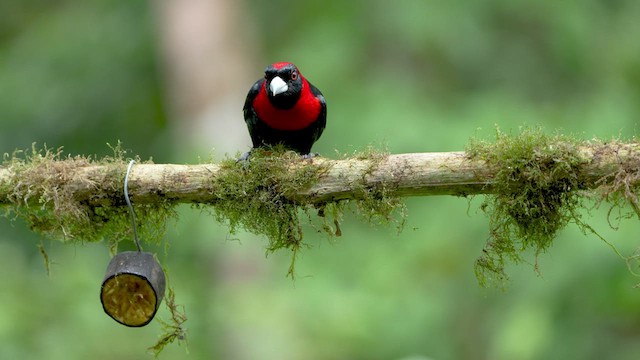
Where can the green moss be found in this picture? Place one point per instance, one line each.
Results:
(258, 197)
(45, 176)
(535, 193)
(254, 197)
(45, 258)
(376, 202)
(173, 329)
(620, 191)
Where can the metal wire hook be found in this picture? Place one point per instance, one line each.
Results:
(126, 198)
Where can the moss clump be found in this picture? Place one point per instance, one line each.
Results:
(173, 329)
(376, 202)
(42, 194)
(535, 193)
(258, 197)
(620, 190)
(255, 196)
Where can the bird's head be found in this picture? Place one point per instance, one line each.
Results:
(283, 84)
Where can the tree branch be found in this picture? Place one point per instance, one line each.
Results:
(534, 180)
(418, 174)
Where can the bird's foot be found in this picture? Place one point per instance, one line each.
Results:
(309, 156)
(244, 159)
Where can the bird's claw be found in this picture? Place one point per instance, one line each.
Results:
(309, 156)
(244, 159)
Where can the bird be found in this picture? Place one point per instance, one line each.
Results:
(284, 108)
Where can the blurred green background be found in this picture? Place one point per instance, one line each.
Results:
(416, 75)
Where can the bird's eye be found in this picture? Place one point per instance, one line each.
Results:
(294, 75)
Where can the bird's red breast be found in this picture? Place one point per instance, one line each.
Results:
(300, 116)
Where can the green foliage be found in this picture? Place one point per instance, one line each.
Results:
(79, 74)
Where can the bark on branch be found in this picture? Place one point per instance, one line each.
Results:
(417, 174)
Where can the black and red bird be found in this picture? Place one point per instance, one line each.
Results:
(284, 108)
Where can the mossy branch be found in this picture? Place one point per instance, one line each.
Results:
(417, 174)
(535, 183)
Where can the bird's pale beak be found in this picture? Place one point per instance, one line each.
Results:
(278, 86)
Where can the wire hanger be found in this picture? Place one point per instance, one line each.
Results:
(133, 215)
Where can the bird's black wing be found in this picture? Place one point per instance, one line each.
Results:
(321, 122)
(250, 115)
